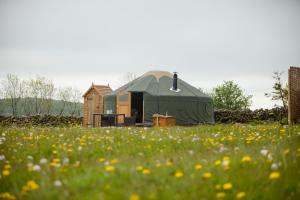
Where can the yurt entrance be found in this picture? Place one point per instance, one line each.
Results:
(137, 107)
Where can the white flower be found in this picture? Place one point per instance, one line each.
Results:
(29, 165)
(225, 163)
(57, 183)
(2, 157)
(264, 152)
(29, 157)
(236, 148)
(65, 161)
(274, 166)
(222, 149)
(43, 161)
(79, 148)
(191, 152)
(36, 168)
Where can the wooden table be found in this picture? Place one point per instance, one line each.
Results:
(163, 120)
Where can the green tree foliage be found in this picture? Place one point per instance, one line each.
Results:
(230, 96)
(280, 90)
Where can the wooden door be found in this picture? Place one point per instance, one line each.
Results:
(90, 110)
(124, 105)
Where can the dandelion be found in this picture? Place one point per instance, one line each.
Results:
(7, 166)
(227, 186)
(274, 175)
(198, 167)
(109, 168)
(240, 195)
(246, 159)
(101, 160)
(146, 171)
(218, 186)
(226, 158)
(178, 174)
(206, 175)
(5, 172)
(114, 161)
(134, 197)
(220, 195)
(30, 186)
(139, 168)
(7, 196)
(217, 162)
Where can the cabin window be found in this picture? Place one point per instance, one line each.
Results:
(124, 97)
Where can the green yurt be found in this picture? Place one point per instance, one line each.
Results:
(163, 93)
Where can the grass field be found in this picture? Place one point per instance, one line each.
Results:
(203, 162)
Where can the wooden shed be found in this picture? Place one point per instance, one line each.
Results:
(93, 104)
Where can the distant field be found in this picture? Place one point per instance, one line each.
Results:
(203, 162)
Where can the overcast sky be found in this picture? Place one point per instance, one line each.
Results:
(75, 43)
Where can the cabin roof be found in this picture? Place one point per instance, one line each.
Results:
(100, 89)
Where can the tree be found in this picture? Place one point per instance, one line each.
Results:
(27, 101)
(128, 77)
(75, 100)
(47, 93)
(280, 91)
(64, 94)
(12, 90)
(230, 96)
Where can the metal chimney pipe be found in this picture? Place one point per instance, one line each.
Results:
(174, 81)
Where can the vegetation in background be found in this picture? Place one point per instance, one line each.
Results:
(202, 162)
(38, 96)
(230, 96)
(280, 90)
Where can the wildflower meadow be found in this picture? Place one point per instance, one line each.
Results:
(240, 161)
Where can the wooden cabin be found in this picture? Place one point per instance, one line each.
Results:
(93, 104)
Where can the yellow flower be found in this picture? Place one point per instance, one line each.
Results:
(226, 158)
(146, 171)
(220, 195)
(218, 186)
(206, 175)
(240, 195)
(198, 167)
(114, 161)
(169, 163)
(109, 168)
(101, 159)
(7, 196)
(7, 166)
(178, 174)
(227, 186)
(246, 159)
(139, 168)
(274, 175)
(30, 186)
(217, 162)
(6, 172)
(134, 197)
